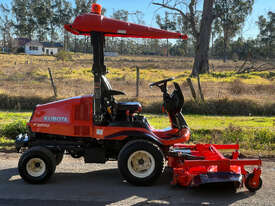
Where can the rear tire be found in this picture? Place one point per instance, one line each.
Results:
(37, 165)
(140, 162)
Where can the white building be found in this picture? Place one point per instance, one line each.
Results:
(43, 48)
(51, 48)
(34, 48)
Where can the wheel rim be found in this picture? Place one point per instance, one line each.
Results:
(141, 164)
(36, 167)
(253, 184)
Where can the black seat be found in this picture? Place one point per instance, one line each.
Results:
(121, 107)
(106, 88)
(133, 107)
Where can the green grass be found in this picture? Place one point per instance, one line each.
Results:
(162, 121)
(265, 77)
(10, 117)
(253, 133)
(216, 122)
(6, 144)
(6, 141)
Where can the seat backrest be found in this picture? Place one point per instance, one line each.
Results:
(105, 85)
(178, 97)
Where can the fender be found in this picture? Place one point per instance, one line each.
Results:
(131, 134)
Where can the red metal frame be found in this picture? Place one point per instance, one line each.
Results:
(213, 162)
(86, 23)
(74, 118)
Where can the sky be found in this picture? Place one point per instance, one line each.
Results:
(250, 30)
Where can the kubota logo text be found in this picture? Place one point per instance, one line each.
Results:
(55, 119)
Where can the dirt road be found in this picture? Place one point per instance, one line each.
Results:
(76, 183)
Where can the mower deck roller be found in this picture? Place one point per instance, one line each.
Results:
(194, 165)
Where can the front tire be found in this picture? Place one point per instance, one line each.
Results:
(37, 165)
(140, 162)
(58, 157)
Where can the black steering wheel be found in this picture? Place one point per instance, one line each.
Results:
(161, 82)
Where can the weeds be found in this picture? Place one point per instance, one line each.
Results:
(13, 129)
(21, 103)
(238, 87)
(64, 56)
(6, 142)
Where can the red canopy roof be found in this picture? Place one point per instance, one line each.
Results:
(86, 23)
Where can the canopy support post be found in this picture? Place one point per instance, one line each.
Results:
(99, 69)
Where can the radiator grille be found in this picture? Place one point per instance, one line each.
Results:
(82, 112)
(82, 130)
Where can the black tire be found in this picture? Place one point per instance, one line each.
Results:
(249, 186)
(76, 155)
(37, 157)
(58, 157)
(154, 154)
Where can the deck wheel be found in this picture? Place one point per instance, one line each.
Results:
(251, 185)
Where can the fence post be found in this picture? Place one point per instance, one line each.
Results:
(193, 92)
(199, 86)
(137, 81)
(52, 83)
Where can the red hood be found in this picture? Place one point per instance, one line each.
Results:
(86, 23)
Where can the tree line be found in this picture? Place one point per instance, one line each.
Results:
(39, 20)
(212, 27)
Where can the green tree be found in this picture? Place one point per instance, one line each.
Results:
(81, 7)
(123, 16)
(120, 14)
(5, 26)
(24, 22)
(167, 24)
(231, 17)
(200, 24)
(267, 33)
(64, 10)
(41, 14)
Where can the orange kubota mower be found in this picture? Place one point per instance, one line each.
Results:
(99, 128)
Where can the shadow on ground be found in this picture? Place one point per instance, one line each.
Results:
(105, 186)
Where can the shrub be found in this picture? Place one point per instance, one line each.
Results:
(4, 141)
(20, 103)
(263, 139)
(13, 129)
(237, 87)
(235, 57)
(202, 135)
(250, 139)
(260, 88)
(63, 56)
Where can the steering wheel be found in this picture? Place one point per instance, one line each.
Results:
(161, 82)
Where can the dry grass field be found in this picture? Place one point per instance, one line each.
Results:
(27, 76)
(25, 82)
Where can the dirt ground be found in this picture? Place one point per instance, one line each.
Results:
(76, 183)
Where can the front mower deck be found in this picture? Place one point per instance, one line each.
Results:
(194, 165)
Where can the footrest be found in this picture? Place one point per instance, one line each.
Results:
(185, 154)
